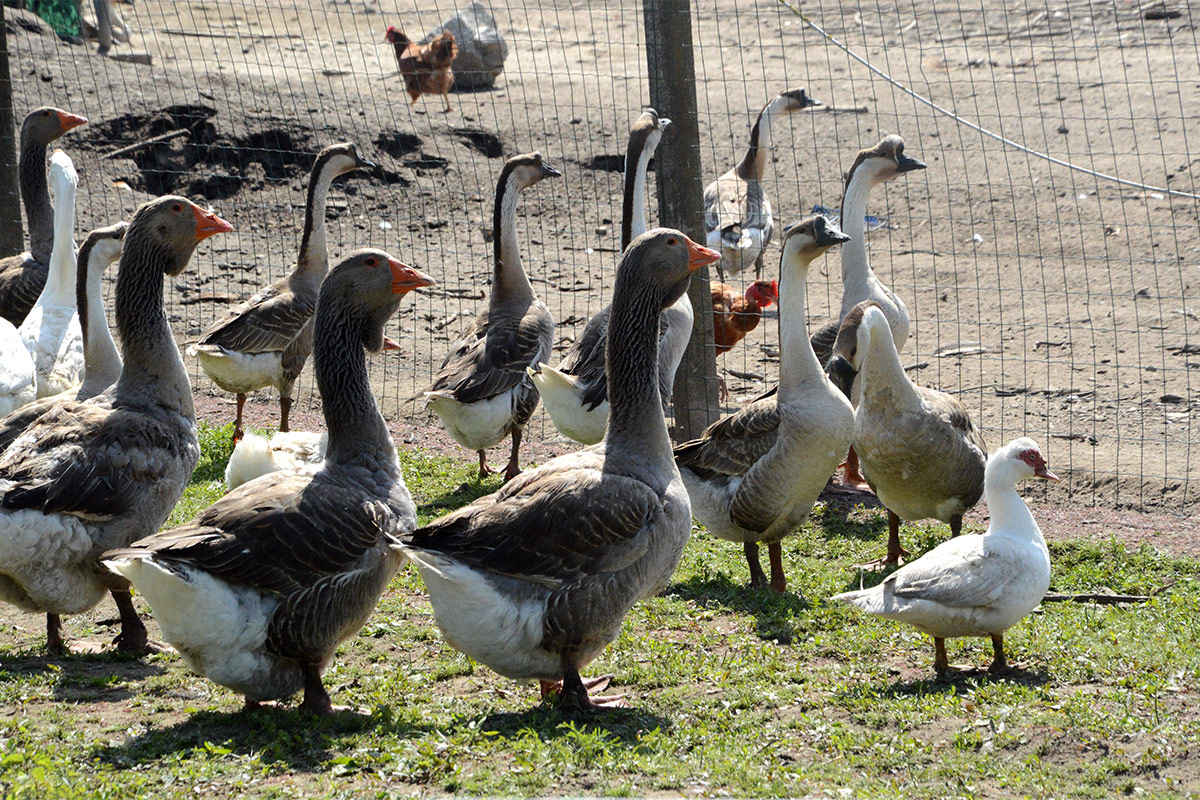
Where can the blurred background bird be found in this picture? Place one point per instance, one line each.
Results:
(426, 67)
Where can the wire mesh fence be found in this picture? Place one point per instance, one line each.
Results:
(1052, 301)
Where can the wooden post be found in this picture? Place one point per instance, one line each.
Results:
(671, 68)
(12, 236)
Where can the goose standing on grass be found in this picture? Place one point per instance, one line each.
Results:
(258, 591)
(978, 584)
(872, 167)
(266, 340)
(482, 392)
(92, 475)
(22, 276)
(535, 579)
(101, 360)
(575, 392)
(755, 475)
(51, 329)
(737, 214)
(918, 449)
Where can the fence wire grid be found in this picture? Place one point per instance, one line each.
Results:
(1052, 302)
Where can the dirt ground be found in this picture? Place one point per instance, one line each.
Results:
(1053, 303)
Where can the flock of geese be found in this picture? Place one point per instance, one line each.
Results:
(535, 579)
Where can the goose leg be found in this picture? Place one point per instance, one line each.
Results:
(999, 662)
(237, 423)
(54, 638)
(757, 579)
(941, 664)
(895, 554)
(955, 525)
(133, 637)
(574, 693)
(853, 475)
(484, 469)
(513, 469)
(550, 688)
(316, 699)
(775, 554)
(285, 408)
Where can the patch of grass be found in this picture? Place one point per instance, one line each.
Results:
(736, 692)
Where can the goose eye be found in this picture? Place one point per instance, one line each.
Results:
(45, 113)
(371, 262)
(671, 241)
(177, 207)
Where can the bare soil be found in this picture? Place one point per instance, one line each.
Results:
(1054, 304)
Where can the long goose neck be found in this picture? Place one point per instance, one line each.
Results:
(314, 255)
(798, 363)
(754, 164)
(633, 211)
(1007, 510)
(153, 370)
(60, 281)
(883, 369)
(509, 281)
(856, 269)
(35, 194)
(635, 419)
(356, 428)
(101, 361)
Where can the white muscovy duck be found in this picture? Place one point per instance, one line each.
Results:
(977, 584)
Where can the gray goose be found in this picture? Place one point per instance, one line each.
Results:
(482, 392)
(737, 214)
(754, 476)
(575, 392)
(101, 359)
(265, 340)
(535, 579)
(23, 276)
(258, 591)
(918, 449)
(91, 475)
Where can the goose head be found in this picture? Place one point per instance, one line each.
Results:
(664, 260)
(809, 239)
(174, 225)
(852, 343)
(884, 161)
(373, 282)
(103, 246)
(1018, 460)
(647, 131)
(526, 170)
(342, 158)
(793, 100)
(45, 124)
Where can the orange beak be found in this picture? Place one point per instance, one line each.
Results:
(700, 256)
(390, 344)
(406, 278)
(69, 121)
(208, 224)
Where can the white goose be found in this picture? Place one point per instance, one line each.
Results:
(755, 475)
(575, 392)
(978, 584)
(51, 330)
(737, 214)
(919, 451)
(18, 379)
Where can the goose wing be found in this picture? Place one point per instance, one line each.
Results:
(586, 360)
(494, 360)
(87, 459)
(268, 322)
(733, 444)
(551, 525)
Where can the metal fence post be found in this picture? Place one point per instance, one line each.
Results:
(12, 236)
(671, 68)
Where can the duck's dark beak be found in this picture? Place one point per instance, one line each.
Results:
(842, 374)
(907, 164)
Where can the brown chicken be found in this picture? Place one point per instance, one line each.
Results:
(425, 67)
(734, 315)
